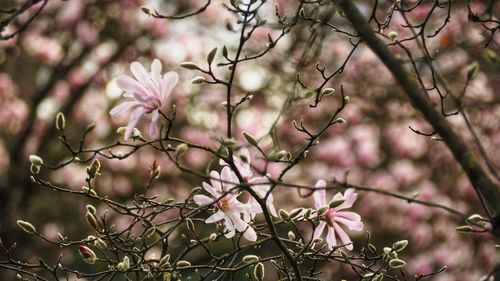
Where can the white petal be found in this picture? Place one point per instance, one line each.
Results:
(216, 217)
(124, 106)
(319, 230)
(130, 85)
(330, 238)
(250, 234)
(320, 194)
(169, 81)
(202, 199)
(134, 118)
(143, 77)
(343, 236)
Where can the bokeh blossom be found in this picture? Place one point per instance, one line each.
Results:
(227, 206)
(147, 93)
(334, 217)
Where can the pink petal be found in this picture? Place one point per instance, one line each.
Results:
(153, 126)
(352, 225)
(130, 85)
(169, 81)
(330, 238)
(349, 215)
(203, 200)
(143, 77)
(210, 189)
(320, 195)
(250, 234)
(319, 230)
(134, 118)
(343, 236)
(216, 217)
(124, 106)
(215, 180)
(156, 69)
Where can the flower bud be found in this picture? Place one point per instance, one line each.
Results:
(190, 65)
(211, 55)
(60, 237)
(475, 218)
(393, 35)
(183, 264)
(101, 244)
(91, 209)
(60, 121)
(347, 99)
(296, 213)
(198, 80)
(94, 168)
(400, 245)
(190, 224)
(36, 160)
(463, 229)
(323, 209)
(250, 259)
(92, 220)
(473, 70)
(164, 261)
(250, 139)
(87, 254)
(327, 91)
(181, 149)
(86, 189)
(212, 237)
(258, 271)
(336, 202)
(291, 235)
(396, 263)
(150, 232)
(284, 214)
(26, 226)
(148, 11)
(125, 263)
(34, 169)
(89, 128)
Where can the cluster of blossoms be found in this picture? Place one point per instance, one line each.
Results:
(148, 91)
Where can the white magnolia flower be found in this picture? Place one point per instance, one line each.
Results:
(226, 203)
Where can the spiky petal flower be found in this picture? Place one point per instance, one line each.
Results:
(334, 218)
(147, 92)
(226, 204)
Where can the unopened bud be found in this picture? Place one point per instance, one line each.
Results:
(258, 271)
(198, 80)
(190, 65)
(181, 149)
(92, 220)
(284, 214)
(126, 263)
(91, 209)
(35, 169)
(164, 261)
(291, 235)
(212, 237)
(94, 168)
(347, 99)
(150, 232)
(148, 11)
(323, 209)
(393, 35)
(250, 259)
(211, 55)
(473, 70)
(89, 128)
(463, 229)
(190, 224)
(183, 264)
(101, 244)
(474, 219)
(250, 139)
(87, 254)
(36, 160)
(327, 91)
(336, 202)
(60, 121)
(26, 226)
(396, 263)
(400, 245)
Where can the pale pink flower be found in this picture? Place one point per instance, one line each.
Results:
(227, 206)
(335, 217)
(259, 184)
(147, 91)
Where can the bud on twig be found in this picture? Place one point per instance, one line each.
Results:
(396, 263)
(183, 264)
(473, 70)
(250, 259)
(211, 55)
(26, 226)
(87, 254)
(400, 245)
(327, 91)
(250, 139)
(258, 272)
(36, 160)
(60, 121)
(198, 80)
(463, 229)
(94, 168)
(190, 65)
(181, 149)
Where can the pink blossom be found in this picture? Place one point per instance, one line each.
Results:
(259, 184)
(147, 91)
(226, 203)
(334, 217)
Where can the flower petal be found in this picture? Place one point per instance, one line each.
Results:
(216, 217)
(144, 78)
(156, 70)
(153, 126)
(128, 84)
(169, 81)
(330, 238)
(250, 234)
(319, 230)
(134, 118)
(320, 195)
(343, 236)
(352, 225)
(124, 106)
(202, 200)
